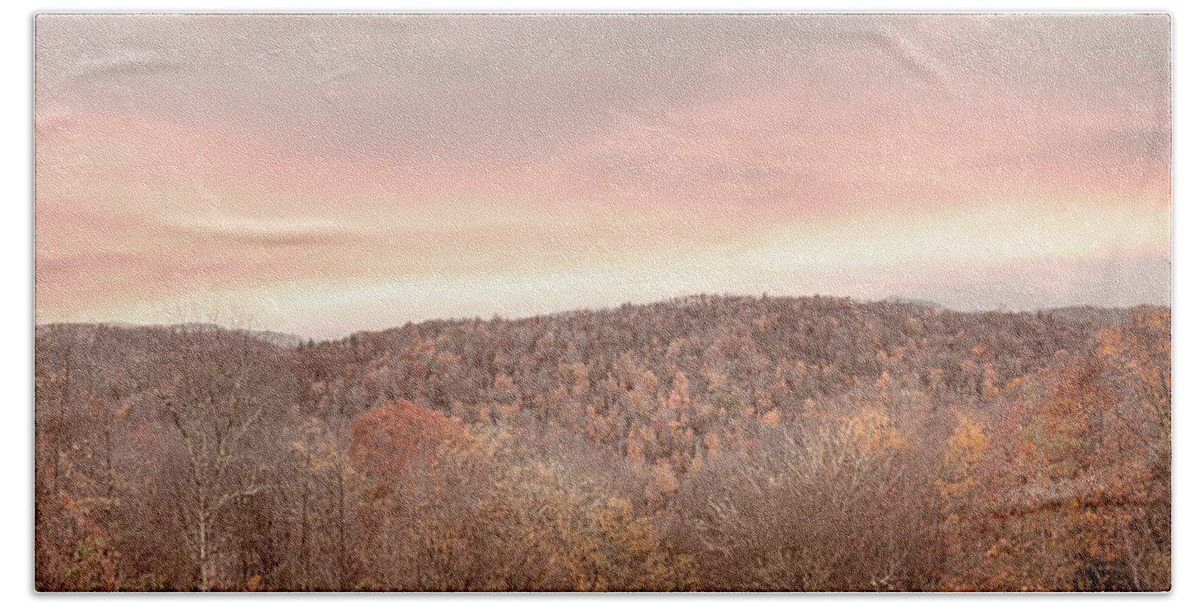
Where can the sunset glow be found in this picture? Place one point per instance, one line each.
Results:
(325, 175)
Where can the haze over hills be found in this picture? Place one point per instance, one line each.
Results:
(1081, 312)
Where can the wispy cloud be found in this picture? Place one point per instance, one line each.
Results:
(465, 165)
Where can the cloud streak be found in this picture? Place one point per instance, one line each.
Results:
(468, 165)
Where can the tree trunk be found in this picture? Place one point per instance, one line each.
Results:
(208, 566)
(341, 552)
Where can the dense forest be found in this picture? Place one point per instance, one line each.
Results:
(704, 443)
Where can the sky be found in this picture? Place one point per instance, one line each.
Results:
(321, 175)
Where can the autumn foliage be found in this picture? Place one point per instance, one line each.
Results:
(707, 443)
(388, 441)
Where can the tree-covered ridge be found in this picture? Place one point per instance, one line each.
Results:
(718, 443)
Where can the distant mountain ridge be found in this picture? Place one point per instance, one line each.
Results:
(1077, 313)
(280, 339)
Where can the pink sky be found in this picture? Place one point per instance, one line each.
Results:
(321, 175)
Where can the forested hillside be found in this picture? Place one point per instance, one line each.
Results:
(706, 443)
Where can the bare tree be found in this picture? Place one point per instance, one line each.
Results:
(218, 404)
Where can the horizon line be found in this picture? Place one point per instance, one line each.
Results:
(901, 300)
